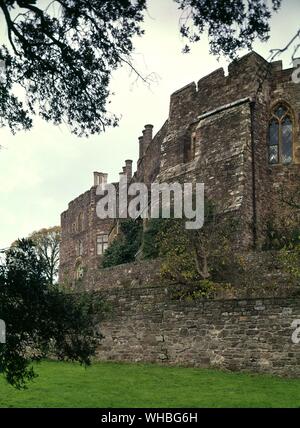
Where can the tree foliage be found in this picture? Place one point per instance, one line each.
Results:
(63, 55)
(288, 227)
(151, 242)
(289, 257)
(282, 228)
(231, 25)
(40, 319)
(281, 232)
(194, 256)
(290, 195)
(125, 247)
(47, 247)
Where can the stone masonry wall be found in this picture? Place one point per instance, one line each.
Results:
(135, 274)
(226, 158)
(146, 325)
(80, 223)
(227, 119)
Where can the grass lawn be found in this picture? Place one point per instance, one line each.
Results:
(141, 385)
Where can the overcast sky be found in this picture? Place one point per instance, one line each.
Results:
(43, 169)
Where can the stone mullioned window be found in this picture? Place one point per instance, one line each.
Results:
(102, 243)
(281, 135)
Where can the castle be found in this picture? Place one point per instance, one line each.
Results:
(237, 133)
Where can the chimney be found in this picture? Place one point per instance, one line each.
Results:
(141, 147)
(100, 178)
(147, 136)
(128, 169)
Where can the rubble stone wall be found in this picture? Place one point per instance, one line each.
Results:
(144, 324)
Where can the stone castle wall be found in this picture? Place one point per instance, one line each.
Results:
(129, 275)
(228, 117)
(231, 144)
(277, 87)
(145, 324)
(81, 224)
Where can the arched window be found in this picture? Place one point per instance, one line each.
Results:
(281, 135)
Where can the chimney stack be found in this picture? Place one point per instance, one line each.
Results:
(100, 178)
(128, 169)
(145, 140)
(147, 136)
(141, 147)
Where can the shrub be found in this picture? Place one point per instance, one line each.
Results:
(124, 248)
(151, 238)
(194, 256)
(289, 257)
(41, 319)
(280, 235)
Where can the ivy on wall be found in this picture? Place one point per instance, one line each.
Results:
(124, 248)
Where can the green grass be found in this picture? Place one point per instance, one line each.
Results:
(141, 385)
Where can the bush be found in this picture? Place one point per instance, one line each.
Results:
(40, 318)
(289, 257)
(281, 235)
(194, 256)
(151, 242)
(124, 248)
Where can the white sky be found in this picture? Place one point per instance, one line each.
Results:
(43, 169)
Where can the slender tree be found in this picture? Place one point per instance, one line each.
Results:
(47, 243)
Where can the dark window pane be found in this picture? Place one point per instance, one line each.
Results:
(273, 132)
(273, 154)
(280, 111)
(287, 140)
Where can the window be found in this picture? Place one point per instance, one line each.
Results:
(190, 148)
(102, 244)
(281, 135)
